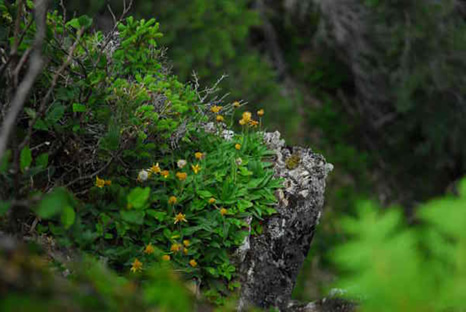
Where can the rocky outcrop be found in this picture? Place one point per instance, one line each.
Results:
(271, 261)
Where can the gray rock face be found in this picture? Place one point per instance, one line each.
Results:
(271, 261)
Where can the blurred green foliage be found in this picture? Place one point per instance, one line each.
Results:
(388, 266)
(31, 282)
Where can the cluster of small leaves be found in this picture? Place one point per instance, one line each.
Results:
(391, 267)
(119, 161)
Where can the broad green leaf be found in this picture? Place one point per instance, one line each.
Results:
(74, 23)
(52, 204)
(133, 216)
(42, 160)
(159, 215)
(85, 21)
(68, 216)
(4, 207)
(79, 108)
(25, 158)
(138, 197)
(55, 114)
(243, 205)
(41, 125)
(204, 194)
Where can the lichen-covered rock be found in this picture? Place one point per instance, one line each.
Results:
(271, 261)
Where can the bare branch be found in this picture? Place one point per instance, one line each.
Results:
(45, 99)
(35, 68)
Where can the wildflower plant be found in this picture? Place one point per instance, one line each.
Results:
(143, 182)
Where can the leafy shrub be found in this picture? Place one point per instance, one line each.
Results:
(391, 267)
(120, 159)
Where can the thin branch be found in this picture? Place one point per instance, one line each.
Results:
(35, 68)
(45, 99)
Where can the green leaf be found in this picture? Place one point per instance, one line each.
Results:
(4, 161)
(138, 197)
(68, 216)
(212, 271)
(244, 204)
(55, 114)
(159, 215)
(78, 108)
(4, 207)
(30, 112)
(25, 158)
(85, 21)
(41, 125)
(52, 204)
(204, 194)
(42, 160)
(133, 216)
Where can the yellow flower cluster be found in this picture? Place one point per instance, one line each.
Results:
(215, 109)
(196, 168)
(100, 183)
(136, 266)
(181, 176)
(149, 249)
(247, 118)
(172, 200)
(175, 247)
(180, 218)
(155, 169)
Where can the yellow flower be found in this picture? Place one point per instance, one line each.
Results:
(253, 123)
(236, 104)
(260, 112)
(99, 182)
(220, 118)
(238, 146)
(180, 218)
(108, 182)
(186, 243)
(149, 249)
(215, 109)
(172, 200)
(181, 176)
(199, 155)
(223, 211)
(193, 263)
(166, 258)
(196, 168)
(155, 168)
(211, 200)
(242, 122)
(136, 266)
(165, 173)
(175, 248)
(185, 251)
(247, 116)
